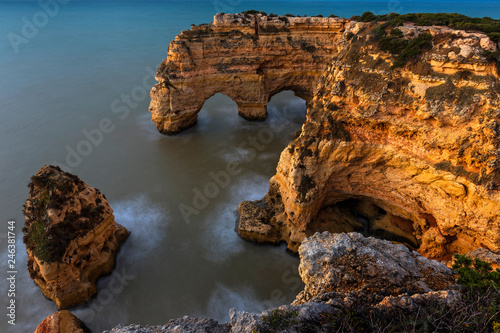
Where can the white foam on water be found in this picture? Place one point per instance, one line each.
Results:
(145, 221)
(147, 127)
(224, 298)
(221, 240)
(237, 155)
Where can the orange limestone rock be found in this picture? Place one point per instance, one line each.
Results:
(246, 57)
(407, 149)
(62, 322)
(70, 234)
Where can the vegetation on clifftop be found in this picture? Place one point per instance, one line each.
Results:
(404, 49)
(456, 21)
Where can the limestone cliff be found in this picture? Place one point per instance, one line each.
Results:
(405, 151)
(246, 57)
(70, 234)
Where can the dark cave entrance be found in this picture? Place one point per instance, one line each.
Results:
(361, 214)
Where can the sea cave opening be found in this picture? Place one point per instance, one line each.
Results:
(364, 215)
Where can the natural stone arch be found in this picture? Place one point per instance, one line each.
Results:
(287, 107)
(228, 105)
(233, 57)
(297, 91)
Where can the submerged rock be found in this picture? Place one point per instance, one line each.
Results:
(62, 322)
(70, 234)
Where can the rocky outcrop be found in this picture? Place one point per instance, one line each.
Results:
(349, 262)
(246, 57)
(181, 325)
(343, 273)
(62, 322)
(70, 234)
(485, 255)
(404, 151)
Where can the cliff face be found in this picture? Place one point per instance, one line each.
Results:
(70, 234)
(409, 152)
(246, 57)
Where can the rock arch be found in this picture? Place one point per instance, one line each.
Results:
(250, 65)
(391, 146)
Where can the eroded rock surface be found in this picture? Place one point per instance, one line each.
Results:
(62, 322)
(348, 262)
(70, 234)
(409, 154)
(249, 58)
(181, 325)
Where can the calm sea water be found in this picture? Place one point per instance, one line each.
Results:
(63, 74)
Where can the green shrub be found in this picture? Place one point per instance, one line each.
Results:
(414, 48)
(368, 17)
(39, 242)
(250, 12)
(379, 32)
(491, 55)
(456, 21)
(278, 320)
(476, 274)
(393, 45)
(494, 36)
(397, 33)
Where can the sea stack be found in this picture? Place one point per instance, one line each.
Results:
(70, 235)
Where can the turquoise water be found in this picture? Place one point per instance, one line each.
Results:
(68, 74)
